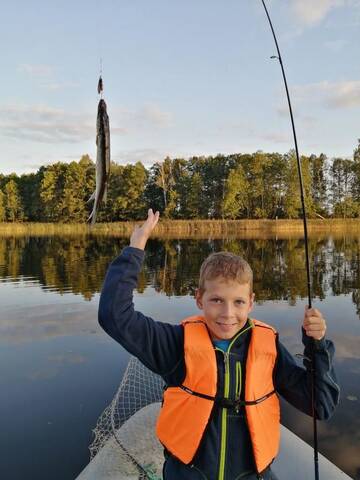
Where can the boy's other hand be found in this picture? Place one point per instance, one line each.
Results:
(141, 234)
(314, 324)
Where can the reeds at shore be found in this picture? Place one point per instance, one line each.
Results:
(190, 228)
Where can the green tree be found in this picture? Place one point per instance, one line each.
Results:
(236, 193)
(292, 198)
(355, 190)
(29, 188)
(2, 206)
(342, 177)
(51, 192)
(192, 205)
(164, 179)
(13, 207)
(126, 199)
(88, 167)
(347, 208)
(198, 202)
(72, 203)
(318, 183)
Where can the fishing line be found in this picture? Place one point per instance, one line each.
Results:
(100, 87)
(312, 363)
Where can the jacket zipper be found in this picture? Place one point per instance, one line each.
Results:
(224, 418)
(238, 384)
(224, 410)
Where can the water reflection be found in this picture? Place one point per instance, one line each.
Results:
(69, 271)
(77, 264)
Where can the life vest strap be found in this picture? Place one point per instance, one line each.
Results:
(227, 402)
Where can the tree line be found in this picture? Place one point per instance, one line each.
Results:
(236, 186)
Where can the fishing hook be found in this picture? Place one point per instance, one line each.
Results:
(312, 363)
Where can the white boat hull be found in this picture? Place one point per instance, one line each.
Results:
(295, 460)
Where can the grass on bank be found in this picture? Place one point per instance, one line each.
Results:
(188, 228)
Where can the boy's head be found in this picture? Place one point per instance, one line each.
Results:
(225, 293)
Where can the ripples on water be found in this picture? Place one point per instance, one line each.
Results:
(59, 370)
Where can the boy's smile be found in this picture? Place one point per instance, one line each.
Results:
(226, 305)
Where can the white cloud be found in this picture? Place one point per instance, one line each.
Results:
(312, 12)
(149, 115)
(36, 70)
(46, 321)
(45, 72)
(344, 94)
(60, 86)
(44, 124)
(275, 137)
(329, 95)
(335, 45)
(249, 130)
(152, 113)
(147, 156)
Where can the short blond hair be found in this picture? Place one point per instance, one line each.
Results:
(225, 265)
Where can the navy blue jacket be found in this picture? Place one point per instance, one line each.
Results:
(160, 347)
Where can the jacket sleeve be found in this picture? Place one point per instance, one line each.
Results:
(158, 345)
(294, 382)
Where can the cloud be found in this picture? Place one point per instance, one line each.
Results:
(147, 156)
(344, 94)
(310, 12)
(155, 115)
(329, 95)
(59, 86)
(47, 73)
(347, 347)
(46, 321)
(335, 45)
(53, 367)
(249, 130)
(36, 70)
(275, 137)
(44, 124)
(149, 115)
(37, 166)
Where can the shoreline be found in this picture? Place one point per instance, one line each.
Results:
(191, 228)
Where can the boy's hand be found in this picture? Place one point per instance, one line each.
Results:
(314, 323)
(141, 234)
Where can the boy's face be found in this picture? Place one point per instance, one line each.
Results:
(226, 305)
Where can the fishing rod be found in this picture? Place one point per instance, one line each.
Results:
(312, 362)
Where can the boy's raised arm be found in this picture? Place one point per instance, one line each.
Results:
(159, 346)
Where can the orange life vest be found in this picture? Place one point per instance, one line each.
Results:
(185, 415)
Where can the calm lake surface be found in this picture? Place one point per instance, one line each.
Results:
(59, 370)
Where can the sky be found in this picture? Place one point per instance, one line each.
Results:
(181, 78)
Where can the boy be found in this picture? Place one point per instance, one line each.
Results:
(220, 416)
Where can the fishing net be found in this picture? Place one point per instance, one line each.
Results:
(125, 432)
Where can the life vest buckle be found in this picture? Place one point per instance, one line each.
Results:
(228, 403)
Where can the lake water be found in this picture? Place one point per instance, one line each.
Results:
(59, 370)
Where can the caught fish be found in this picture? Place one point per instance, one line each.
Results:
(102, 160)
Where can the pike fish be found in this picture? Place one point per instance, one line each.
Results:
(102, 160)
